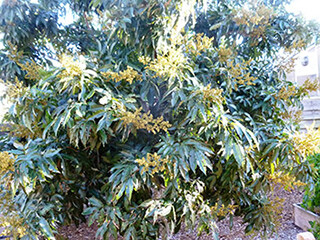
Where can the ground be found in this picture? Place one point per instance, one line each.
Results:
(287, 229)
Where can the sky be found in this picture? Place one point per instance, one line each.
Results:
(310, 9)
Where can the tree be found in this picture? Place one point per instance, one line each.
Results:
(156, 114)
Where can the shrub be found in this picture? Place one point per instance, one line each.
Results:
(311, 198)
(148, 124)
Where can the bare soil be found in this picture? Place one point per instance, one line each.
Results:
(287, 230)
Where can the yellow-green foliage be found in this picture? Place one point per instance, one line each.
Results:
(284, 180)
(307, 143)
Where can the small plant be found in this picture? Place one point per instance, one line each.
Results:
(311, 199)
(315, 229)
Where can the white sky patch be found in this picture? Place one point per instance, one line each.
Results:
(68, 18)
(310, 9)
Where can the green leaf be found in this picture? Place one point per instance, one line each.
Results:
(57, 125)
(46, 228)
(238, 154)
(95, 202)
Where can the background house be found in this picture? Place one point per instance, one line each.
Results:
(307, 66)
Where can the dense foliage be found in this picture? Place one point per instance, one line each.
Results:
(147, 115)
(311, 198)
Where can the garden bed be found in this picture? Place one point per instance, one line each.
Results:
(302, 217)
(287, 228)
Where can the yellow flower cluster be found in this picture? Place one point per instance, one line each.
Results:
(128, 75)
(287, 65)
(239, 72)
(224, 54)
(12, 224)
(284, 180)
(275, 207)
(14, 54)
(212, 94)
(257, 33)
(203, 42)
(6, 163)
(296, 46)
(145, 121)
(307, 143)
(198, 44)
(21, 131)
(15, 90)
(222, 210)
(257, 18)
(286, 93)
(310, 86)
(295, 115)
(72, 68)
(287, 61)
(31, 67)
(144, 60)
(167, 64)
(153, 163)
(10, 221)
(255, 15)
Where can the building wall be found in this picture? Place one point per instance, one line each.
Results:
(308, 67)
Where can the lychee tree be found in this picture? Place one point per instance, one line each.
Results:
(144, 116)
